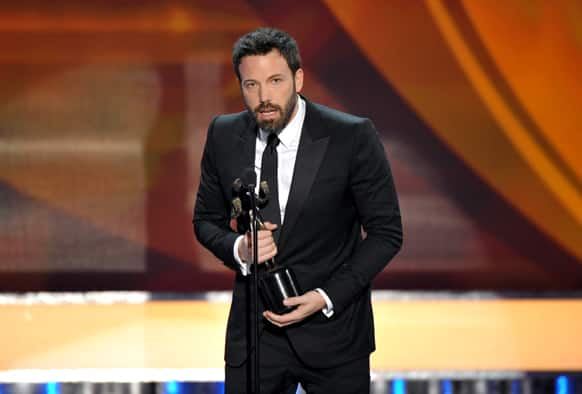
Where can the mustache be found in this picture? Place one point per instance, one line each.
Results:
(267, 107)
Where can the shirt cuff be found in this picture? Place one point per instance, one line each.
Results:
(328, 309)
(244, 268)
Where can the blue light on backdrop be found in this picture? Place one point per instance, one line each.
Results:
(516, 387)
(446, 387)
(398, 386)
(563, 385)
(172, 387)
(175, 387)
(52, 388)
(219, 388)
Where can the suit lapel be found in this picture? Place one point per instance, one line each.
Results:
(247, 145)
(312, 148)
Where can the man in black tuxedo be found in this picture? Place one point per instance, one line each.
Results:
(334, 220)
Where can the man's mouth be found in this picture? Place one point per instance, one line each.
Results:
(268, 112)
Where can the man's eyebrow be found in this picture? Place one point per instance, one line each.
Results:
(277, 75)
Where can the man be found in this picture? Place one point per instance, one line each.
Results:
(332, 181)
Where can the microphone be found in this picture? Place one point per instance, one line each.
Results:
(242, 217)
(242, 187)
(249, 177)
(237, 209)
(241, 202)
(264, 194)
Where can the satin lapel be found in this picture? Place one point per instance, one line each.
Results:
(312, 148)
(244, 156)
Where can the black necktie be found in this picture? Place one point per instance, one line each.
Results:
(271, 212)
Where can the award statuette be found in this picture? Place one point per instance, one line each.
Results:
(276, 285)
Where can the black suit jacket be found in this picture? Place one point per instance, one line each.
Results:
(342, 183)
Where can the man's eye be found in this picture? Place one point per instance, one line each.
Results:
(276, 80)
(250, 85)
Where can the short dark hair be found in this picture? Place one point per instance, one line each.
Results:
(264, 40)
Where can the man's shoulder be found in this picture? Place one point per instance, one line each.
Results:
(335, 116)
(342, 125)
(226, 127)
(238, 118)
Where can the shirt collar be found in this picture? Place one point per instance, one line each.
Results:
(289, 136)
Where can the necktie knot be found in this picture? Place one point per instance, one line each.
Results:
(272, 141)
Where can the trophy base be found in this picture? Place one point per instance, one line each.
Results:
(277, 285)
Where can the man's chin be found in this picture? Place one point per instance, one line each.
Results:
(268, 127)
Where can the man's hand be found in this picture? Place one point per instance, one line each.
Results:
(266, 247)
(307, 304)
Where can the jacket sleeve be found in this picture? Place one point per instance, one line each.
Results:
(374, 194)
(212, 210)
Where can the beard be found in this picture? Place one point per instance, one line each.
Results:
(278, 124)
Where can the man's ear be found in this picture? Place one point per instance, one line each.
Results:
(298, 80)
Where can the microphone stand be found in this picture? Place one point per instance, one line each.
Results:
(255, 275)
(277, 283)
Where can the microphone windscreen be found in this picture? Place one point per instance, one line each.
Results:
(264, 189)
(236, 207)
(249, 177)
(236, 186)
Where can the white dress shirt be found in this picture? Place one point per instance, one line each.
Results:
(286, 155)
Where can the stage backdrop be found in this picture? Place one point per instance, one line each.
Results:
(104, 107)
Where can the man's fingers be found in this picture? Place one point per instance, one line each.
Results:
(264, 238)
(275, 323)
(267, 248)
(264, 256)
(269, 226)
(292, 301)
(287, 318)
(307, 304)
(264, 234)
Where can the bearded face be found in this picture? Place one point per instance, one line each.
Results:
(271, 117)
(269, 89)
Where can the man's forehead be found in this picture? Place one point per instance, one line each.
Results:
(252, 66)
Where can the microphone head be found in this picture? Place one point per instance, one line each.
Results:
(236, 187)
(264, 193)
(249, 177)
(264, 189)
(236, 207)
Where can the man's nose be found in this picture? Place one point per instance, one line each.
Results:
(264, 94)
